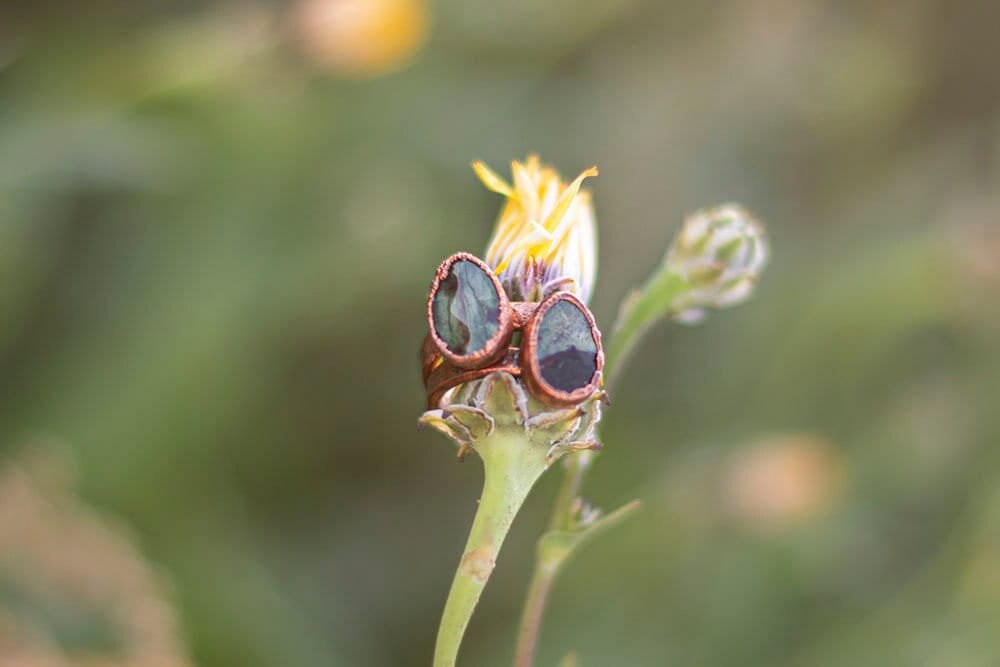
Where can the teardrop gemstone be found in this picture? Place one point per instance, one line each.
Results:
(567, 350)
(466, 308)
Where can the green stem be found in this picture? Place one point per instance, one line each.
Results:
(575, 468)
(555, 548)
(656, 300)
(512, 465)
(534, 608)
(548, 562)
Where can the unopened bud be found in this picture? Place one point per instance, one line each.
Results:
(720, 252)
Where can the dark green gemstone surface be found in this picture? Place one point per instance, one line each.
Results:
(567, 351)
(466, 308)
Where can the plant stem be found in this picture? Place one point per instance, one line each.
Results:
(656, 300)
(547, 563)
(534, 608)
(554, 549)
(575, 468)
(512, 464)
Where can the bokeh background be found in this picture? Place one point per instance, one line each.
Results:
(218, 222)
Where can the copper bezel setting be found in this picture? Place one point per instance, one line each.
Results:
(531, 371)
(495, 347)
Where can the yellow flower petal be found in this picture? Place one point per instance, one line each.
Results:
(558, 213)
(491, 180)
(545, 237)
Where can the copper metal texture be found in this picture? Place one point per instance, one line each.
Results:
(532, 373)
(443, 370)
(495, 346)
(447, 376)
(430, 357)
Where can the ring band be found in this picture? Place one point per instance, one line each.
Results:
(444, 376)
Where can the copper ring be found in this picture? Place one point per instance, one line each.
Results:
(532, 371)
(446, 376)
(430, 357)
(495, 346)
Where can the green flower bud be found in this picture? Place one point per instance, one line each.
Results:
(719, 252)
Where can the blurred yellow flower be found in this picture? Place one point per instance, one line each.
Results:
(783, 480)
(361, 37)
(546, 235)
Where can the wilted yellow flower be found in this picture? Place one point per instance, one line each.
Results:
(546, 236)
(361, 37)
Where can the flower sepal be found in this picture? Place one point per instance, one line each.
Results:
(499, 401)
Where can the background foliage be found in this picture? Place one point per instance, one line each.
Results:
(217, 229)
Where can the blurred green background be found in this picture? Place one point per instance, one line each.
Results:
(218, 222)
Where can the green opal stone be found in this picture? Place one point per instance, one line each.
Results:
(567, 351)
(466, 308)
